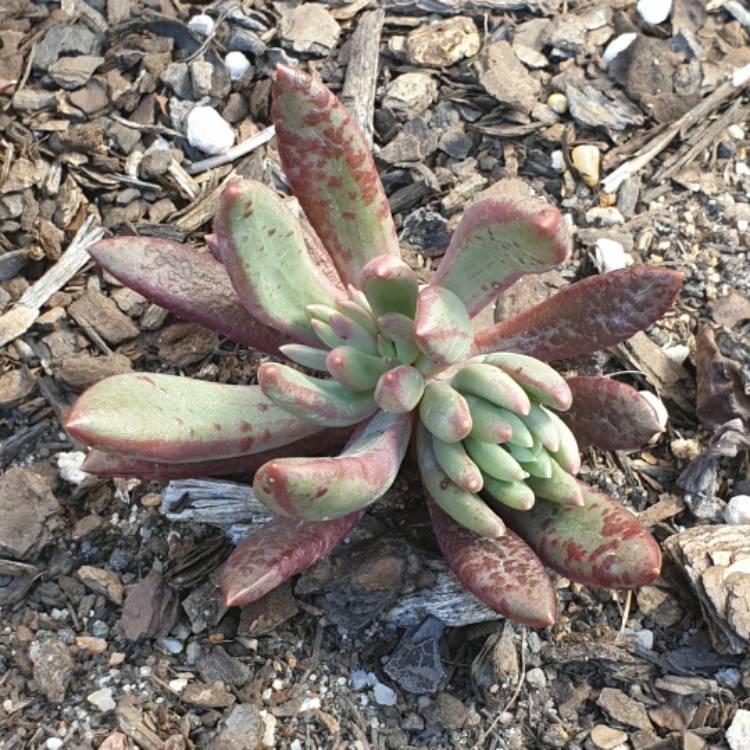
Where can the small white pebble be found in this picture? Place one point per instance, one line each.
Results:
(728, 677)
(208, 131)
(736, 132)
(742, 225)
(617, 45)
(654, 12)
(277, 684)
(53, 743)
(237, 65)
(201, 24)
(737, 512)
(102, 699)
(556, 160)
(677, 353)
(269, 723)
(178, 684)
(536, 678)
(384, 696)
(69, 465)
(310, 704)
(610, 255)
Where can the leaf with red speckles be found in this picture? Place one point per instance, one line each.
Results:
(170, 419)
(276, 552)
(442, 329)
(314, 400)
(188, 283)
(114, 465)
(264, 251)
(592, 314)
(499, 239)
(504, 573)
(599, 544)
(610, 414)
(330, 169)
(316, 489)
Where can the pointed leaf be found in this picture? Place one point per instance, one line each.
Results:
(592, 314)
(542, 428)
(567, 455)
(353, 334)
(610, 414)
(359, 315)
(390, 286)
(276, 552)
(457, 465)
(499, 239)
(464, 507)
(400, 389)
(330, 169)
(354, 369)
(400, 330)
(445, 412)
(538, 379)
(176, 420)
(516, 495)
(307, 356)
(494, 460)
(561, 487)
(114, 465)
(442, 329)
(188, 283)
(322, 402)
(504, 573)
(264, 251)
(599, 544)
(317, 489)
(492, 384)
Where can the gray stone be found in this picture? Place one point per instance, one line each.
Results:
(243, 729)
(504, 77)
(177, 77)
(64, 40)
(456, 143)
(624, 709)
(53, 670)
(219, 665)
(31, 100)
(202, 78)
(155, 162)
(447, 711)
(71, 73)
(244, 40)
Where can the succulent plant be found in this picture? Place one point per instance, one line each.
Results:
(494, 427)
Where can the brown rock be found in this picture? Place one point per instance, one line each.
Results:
(150, 609)
(243, 729)
(80, 372)
(659, 605)
(447, 711)
(15, 386)
(102, 314)
(443, 43)
(91, 645)
(504, 77)
(114, 741)
(85, 526)
(309, 27)
(218, 666)
(92, 98)
(624, 709)
(267, 613)
(73, 72)
(100, 581)
(28, 513)
(213, 695)
(184, 344)
(53, 670)
(606, 738)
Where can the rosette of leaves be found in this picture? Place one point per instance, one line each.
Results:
(495, 428)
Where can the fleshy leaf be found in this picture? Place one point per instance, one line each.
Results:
(354, 369)
(170, 419)
(599, 544)
(560, 488)
(316, 401)
(114, 465)
(264, 251)
(567, 455)
(308, 356)
(464, 507)
(400, 389)
(542, 427)
(331, 171)
(359, 315)
(317, 489)
(499, 239)
(390, 286)
(504, 573)
(458, 466)
(442, 329)
(276, 552)
(488, 421)
(492, 384)
(445, 412)
(610, 414)
(494, 460)
(188, 283)
(543, 383)
(516, 495)
(591, 314)
(400, 330)
(352, 333)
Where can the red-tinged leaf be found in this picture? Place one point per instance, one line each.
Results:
(390, 286)
(442, 329)
(499, 239)
(170, 419)
(332, 173)
(400, 389)
(504, 573)
(610, 414)
(278, 551)
(599, 544)
(445, 412)
(188, 283)
(316, 401)
(329, 440)
(264, 251)
(317, 489)
(592, 314)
